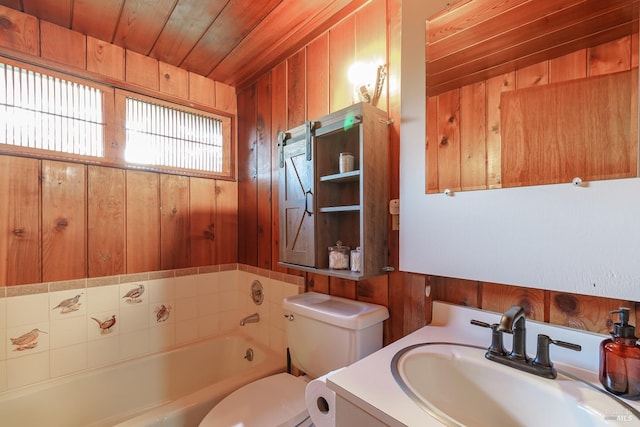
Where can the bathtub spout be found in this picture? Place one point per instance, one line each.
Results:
(252, 318)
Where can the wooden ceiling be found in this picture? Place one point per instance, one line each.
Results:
(477, 40)
(231, 41)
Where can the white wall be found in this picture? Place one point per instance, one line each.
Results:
(576, 239)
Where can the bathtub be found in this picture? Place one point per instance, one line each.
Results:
(175, 388)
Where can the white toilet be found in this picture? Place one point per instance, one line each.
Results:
(325, 333)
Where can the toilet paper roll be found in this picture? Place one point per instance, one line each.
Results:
(321, 401)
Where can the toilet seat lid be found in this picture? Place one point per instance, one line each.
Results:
(277, 400)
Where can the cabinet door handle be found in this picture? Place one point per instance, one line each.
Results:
(306, 202)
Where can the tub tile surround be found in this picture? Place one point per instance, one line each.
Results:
(66, 327)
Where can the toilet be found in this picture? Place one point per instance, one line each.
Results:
(324, 333)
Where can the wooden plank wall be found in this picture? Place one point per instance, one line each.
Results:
(64, 220)
(69, 221)
(464, 147)
(312, 82)
(46, 204)
(576, 311)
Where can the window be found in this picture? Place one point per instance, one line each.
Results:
(46, 112)
(167, 136)
(51, 115)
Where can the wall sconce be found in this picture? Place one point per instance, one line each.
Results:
(367, 81)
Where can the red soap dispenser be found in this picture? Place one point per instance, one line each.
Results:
(620, 359)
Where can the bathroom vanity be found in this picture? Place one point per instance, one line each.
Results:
(368, 394)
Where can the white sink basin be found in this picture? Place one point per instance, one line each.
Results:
(458, 386)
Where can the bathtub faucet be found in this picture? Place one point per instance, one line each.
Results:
(252, 318)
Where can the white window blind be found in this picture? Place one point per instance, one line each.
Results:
(45, 112)
(166, 136)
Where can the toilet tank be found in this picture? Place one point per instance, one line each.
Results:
(326, 333)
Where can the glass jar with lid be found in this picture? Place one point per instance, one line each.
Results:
(356, 260)
(339, 256)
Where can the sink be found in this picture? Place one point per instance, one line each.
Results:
(456, 384)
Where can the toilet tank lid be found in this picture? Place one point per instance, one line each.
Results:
(343, 312)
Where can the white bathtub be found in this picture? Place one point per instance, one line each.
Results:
(175, 388)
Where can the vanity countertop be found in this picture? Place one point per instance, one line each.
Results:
(369, 383)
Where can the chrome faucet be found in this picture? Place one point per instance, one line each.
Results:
(513, 322)
(252, 318)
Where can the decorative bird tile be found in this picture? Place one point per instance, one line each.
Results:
(68, 305)
(162, 313)
(105, 326)
(133, 296)
(27, 341)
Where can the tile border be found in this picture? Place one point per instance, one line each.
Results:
(93, 282)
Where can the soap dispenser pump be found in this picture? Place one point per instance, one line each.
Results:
(620, 359)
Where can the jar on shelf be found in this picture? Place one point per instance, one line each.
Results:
(346, 162)
(339, 256)
(356, 260)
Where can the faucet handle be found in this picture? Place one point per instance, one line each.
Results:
(569, 345)
(542, 359)
(497, 346)
(480, 323)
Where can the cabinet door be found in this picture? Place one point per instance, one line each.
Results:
(297, 217)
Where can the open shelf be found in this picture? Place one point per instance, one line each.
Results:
(352, 176)
(330, 209)
(343, 274)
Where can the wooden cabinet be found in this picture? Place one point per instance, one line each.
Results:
(319, 205)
